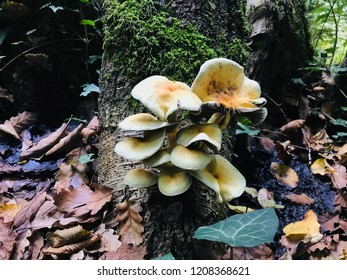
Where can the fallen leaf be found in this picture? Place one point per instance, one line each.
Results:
(306, 230)
(7, 128)
(340, 253)
(261, 252)
(22, 121)
(29, 211)
(91, 129)
(9, 210)
(266, 199)
(284, 174)
(320, 141)
(321, 166)
(22, 242)
(7, 240)
(126, 252)
(292, 126)
(339, 176)
(130, 220)
(71, 235)
(301, 199)
(40, 148)
(67, 143)
(109, 240)
(84, 200)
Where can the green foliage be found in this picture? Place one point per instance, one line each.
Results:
(88, 88)
(145, 41)
(328, 25)
(168, 257)
(83, 159)
(246, 230)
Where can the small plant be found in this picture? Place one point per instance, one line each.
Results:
(181, 150)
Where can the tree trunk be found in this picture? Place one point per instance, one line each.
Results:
(170, 38)
(280, 44)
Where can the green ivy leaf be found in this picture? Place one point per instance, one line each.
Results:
(87, 22)
(340, 122)
(88, 88)
(91, 59)
(86, 158)
(246, 230)
(55, 8)
(168, 256)
(244, 129)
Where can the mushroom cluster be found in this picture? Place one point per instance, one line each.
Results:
(174, 154)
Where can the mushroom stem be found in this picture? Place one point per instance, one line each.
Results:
(171, 138)
(221, 119)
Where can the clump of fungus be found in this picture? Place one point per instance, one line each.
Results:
(175, 153)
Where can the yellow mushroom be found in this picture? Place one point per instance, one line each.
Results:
(164, 97)
(231, 183)
(200, 132)
(136, 148)
(158, 159)
(173, 181)
(140, 178)
(189, 159)
(143, 121)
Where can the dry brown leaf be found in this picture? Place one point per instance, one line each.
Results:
(44, 144)
(37, 242)
(339, 176)
(284, 174)
(84, 200)
(301, 199)
(306, 230)
(8, 169)
(67, 143)
(7, 240)
(29, 211)
(292, 126)
(71, 235)
(340, 253)
(91, 130)
(72, 248)
(126, 252)
(266, 199)
(5, 95)
(130, 220)
(267, 144)
(284, 150)
(109, 241)
(320, 140)
(22, 121)
(9, 210)
(21, 244)
(7, 128)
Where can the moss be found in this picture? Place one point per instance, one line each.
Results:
(143, 39)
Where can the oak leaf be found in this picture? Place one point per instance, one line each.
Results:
(40, 148)
(126, 252)
(91, 130)
(301, 199)
(15, 125)
(130, 220)
(284, 174)
(339, 176)
(109, 241)
(9, 210)
(321, 166)
(84, 200)
(7, 240)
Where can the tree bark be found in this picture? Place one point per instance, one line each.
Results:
(280, 45)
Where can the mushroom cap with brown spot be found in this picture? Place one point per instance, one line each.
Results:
(174, 181)
(140, 178)
(136, 148)
(222, 81)
(200, 132)
(164, 97)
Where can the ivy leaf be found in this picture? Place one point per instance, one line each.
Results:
(87, 22)
(86, 158)
(55, 8)
(246, 230)
(243, 129)
(168, 256)
(88, 88)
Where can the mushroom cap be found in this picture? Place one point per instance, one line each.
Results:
(256, 115)
(136, 148)
(173, 181)
(140, 178)
(163, 96)
(209, 180)
(159, 158)
(222, 80)
(142, 121)
(200, 132)
(222, 177)
(231, 182)
(189, 159)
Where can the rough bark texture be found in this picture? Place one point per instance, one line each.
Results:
(279, 47)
